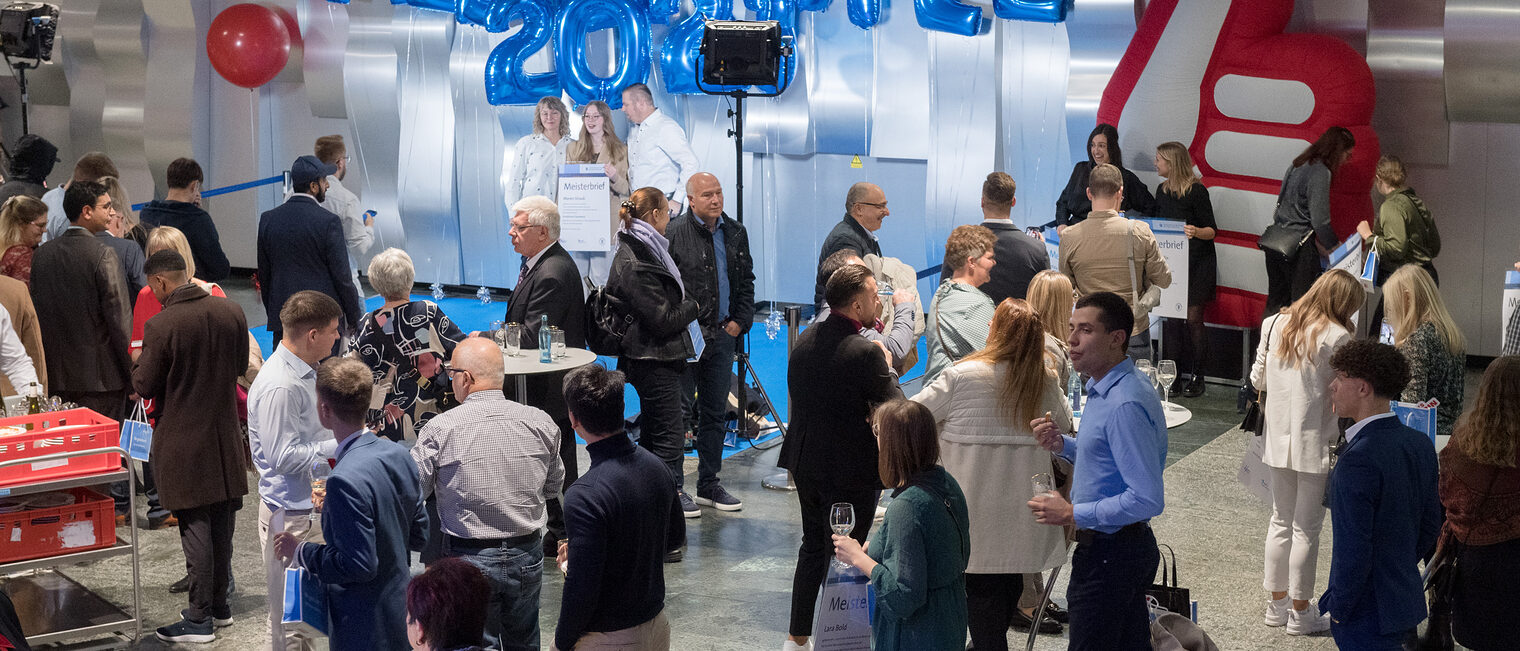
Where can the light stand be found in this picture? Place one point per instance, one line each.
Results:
(27, 31)
(747, 54)
(21, 67)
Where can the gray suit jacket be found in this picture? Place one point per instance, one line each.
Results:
(84, 313)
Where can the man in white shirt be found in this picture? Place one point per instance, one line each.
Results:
(287, 437)
(658, 154)
(358, 227)
(14, 362)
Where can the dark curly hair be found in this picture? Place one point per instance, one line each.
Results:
(1380, 365)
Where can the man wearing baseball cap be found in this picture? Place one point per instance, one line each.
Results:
(301, 247)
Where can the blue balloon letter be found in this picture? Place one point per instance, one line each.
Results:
(575, 19)
(680, 52)
(506, 83)
(1041, 11)
(949, 16)
(864, 14)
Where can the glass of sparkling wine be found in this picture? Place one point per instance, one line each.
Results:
(842, 522)
(1166, 372)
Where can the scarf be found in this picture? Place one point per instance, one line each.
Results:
(643, 232)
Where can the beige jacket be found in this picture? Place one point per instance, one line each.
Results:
(1094, 254)
(1300, 425)
(993, 461)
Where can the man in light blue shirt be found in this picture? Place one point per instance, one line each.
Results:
(1118, 457)
(287, 436)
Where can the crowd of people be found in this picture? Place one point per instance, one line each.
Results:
(375, 434)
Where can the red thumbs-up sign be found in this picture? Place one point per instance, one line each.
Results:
(1222, 78)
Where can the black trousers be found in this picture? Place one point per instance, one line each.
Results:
(662, 428)
(991, 601)
(710, 379)
(1484, 596)
(1289, 277)
(547, 393)
(1106, 595)
(814, 498)
(205, 535)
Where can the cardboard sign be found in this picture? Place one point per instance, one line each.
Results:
(1508, 305)
(585, 214)
(844, 612)
(1173, 243)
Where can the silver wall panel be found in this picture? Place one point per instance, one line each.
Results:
(75, 50)
(119, 31)
(485, 249)
(370, 92)
(1098, 32)
(1032, 117)
(899, 92)
(172, 74)
(1482, 58)
(962, 134)
(425, 184)
(1405, 52)
(324, 26)
(841, 93)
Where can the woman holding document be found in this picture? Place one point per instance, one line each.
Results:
(599, 143)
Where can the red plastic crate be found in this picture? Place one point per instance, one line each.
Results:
(59, 431)
(88, 523)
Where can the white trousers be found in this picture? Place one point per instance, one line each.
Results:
(1298, 514)
(303, 527)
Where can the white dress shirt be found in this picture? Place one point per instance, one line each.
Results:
(1352, 431)
(283, 430)
(534, 168)
(345, 204)
(14, 361)
(660, 157)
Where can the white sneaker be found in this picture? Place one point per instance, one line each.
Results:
(793, 646)
(1307, 621)
(1277, 611)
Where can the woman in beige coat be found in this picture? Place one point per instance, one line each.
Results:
(1293, 367)
(983, 405)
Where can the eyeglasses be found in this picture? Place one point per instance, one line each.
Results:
(882, 205)
(518, 228)
(450, 371)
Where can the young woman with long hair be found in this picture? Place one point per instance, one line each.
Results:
(1182, 197)
(1292, 367)
(1303, 210)
(599, 143)
(1073, 205)
(1431, 341)
(1052, 296)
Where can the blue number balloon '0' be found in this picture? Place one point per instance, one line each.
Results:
(1043, 11)
(949, 16)
(506, 82)
(864, 14)
(680, 52)
(577, 18)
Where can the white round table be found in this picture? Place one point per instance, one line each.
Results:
(1176, 414)
(526, 363)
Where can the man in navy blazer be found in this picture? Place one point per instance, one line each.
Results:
(301, 247)
(371, 517)
(1385, 511)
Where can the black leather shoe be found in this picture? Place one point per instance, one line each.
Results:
(674, 555)
(1048, 626)
(1194, 388)
(182, 585)
(1056, 612)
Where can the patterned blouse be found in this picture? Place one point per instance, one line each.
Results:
(405, 347)
(1434, 372)
(534, 168)
(17, 263)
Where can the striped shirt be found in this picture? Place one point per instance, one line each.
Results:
(492, 463)
(959, 318)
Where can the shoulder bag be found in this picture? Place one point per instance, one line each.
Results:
(1255, 421)
(1280, 239)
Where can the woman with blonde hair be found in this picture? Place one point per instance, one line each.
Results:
(1181, 197)
(23, 222)
(599, 143)
(533, 169)
(1292, 367)
(147, 305)
(983, 406)
(1431, 341)
(1480, 488)
(1052, 296)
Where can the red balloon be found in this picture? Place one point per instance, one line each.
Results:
(248, 44)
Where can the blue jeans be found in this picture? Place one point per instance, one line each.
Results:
(516, 574)
(710, 378)
(1106, 596)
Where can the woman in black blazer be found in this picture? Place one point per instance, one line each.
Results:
(1073, 205)
(658, 341)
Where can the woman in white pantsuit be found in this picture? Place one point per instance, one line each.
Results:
(1292, 367)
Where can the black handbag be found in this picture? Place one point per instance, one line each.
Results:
(1167, 593)
(1255, 421)
(607, 320)
(1282, 241)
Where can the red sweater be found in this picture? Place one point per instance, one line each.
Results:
(1476, 513)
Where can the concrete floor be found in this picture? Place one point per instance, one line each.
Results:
(732, 590)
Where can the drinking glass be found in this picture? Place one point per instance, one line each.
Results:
(1143, 365)
(556, 342)
(514, 339)
(1166, 372)
(499, 334)
(842, 522)
(1043, 484)
(884, 288)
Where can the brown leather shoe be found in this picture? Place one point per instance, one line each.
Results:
(121, 519)
(165, 522)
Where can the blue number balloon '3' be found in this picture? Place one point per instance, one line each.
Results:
(578, 17)
(950, 16)
(506, 82)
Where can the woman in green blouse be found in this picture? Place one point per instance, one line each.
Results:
(1404, 232)
(917, 558)
(1425, 332)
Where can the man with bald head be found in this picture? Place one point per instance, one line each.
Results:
(492, 463)
(865, 207)
(712, 252)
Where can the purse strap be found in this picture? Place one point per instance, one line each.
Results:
(1134, 283)
(1164, 575)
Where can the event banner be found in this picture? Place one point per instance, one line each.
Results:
(585, 216)
(1052, 241)
(1509, 304)
(1173, 243)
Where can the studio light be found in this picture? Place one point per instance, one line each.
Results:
(741, 53)
(27, 30)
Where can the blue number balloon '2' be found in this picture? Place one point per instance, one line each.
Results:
(949, 16)
(577, 18)
(506, 82)
(1043, 11)
(680, 52)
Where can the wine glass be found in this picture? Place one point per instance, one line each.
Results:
(842, 522)
(1143, 365)
(1166, 372)
(514, 339)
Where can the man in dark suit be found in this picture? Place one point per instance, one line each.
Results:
(1383, 494)
(371, 517)
(1019, 256)
(835, 377)
(865, 207)
(712, 252)
(301, 247)
(548, 283)
(203, 339)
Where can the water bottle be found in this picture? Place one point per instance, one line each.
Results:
(484, 295)
(773, 324)
(545, 355)
(437, 291)
(1074, 389)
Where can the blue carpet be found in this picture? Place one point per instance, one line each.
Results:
(767, 355)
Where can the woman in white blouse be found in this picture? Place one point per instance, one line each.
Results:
(537, 157)
(983, 405)
(1292, 367)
